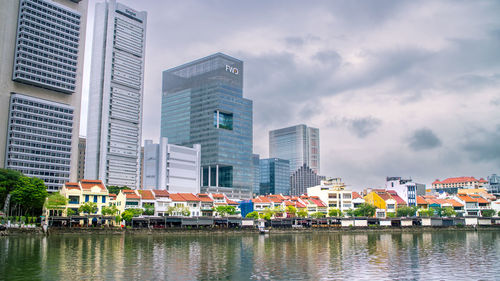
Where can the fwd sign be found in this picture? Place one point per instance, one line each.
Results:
(231, 69)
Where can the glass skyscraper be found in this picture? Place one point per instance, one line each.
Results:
(202, 102)
(274, 176)
(299, 144)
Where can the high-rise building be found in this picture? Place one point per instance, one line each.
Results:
(115, 95)
(81, 158)
(274, 176)
(41, 53)
(202, 102)
(406, 189)
(298, 144)
(256, 173)
(172, 167)
(302, 179)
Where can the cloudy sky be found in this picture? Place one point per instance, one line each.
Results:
(397, 88)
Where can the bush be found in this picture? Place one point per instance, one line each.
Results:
(390, 215)
(302, 214)
(317, 215)
(365, 210)
(253, 215)
(488, 213)
(406, 211)
(335, 213)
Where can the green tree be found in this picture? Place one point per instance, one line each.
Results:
(498, 213)
(488, 213)
(56, 201)
(365, 210)
(116, 189)
(349, 212)
(224, 210)
(391, 215)
(88, 208)
(426, 212)
(318, 215)
(128, 214)
(109, 211)
(149, 211)
(448, 212)
(302, 213)
(291, 210)
(30, 194)
(8, 181)
(70, 212)
(406, 211)
(253, 215)
(266, 216)
(335, 213)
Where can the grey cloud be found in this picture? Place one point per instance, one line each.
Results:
(330, 57)
(423, 139)
(484, 145)
(361, 127)
(294, 41)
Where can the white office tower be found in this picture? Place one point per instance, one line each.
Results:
(298, 144)
(41, 53)
(172, 167)
(115, 95)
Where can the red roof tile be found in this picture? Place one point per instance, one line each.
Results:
(231, 202)
(184, 197)
(456, 180)
(72, 185)
(161, 193)
(88, 184)
(146, 195)
(132, 196)
(205, 198)
(356, 195)
(421, 201)
(318, 202)
(218, 196)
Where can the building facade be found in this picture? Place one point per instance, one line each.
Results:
(406, 189)
(303, 178)
(298, 144)
(115, 95)
(452, 185)
(172, 167)
(274, 176)
(202, 103)
(81, 157)
(41, 50)
(333, 193)
(494, 184)
(256, 173)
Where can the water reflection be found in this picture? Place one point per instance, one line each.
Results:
(313, 256)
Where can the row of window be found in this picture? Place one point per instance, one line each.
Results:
(29, 43)
(50, 9)
(17, 100)
(51, 62)
(35, 110)
(32, 16)
(50, 16)
(27, 116)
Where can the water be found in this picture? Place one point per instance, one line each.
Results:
(441, 255)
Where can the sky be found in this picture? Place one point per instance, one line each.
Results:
(396, 88)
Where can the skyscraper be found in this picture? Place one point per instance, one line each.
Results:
(299, 144)
(115, 95)
(41, 53)
(202, 102)
(302, 179)
(274, 176)
(171, 167)
(256, 173)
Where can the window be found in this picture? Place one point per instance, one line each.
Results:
(223, 120)
(104, 199)
(95, 198)
(87, 198)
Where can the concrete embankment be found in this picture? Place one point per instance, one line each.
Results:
(235, 231)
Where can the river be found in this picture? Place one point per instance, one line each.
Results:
(431, 255)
